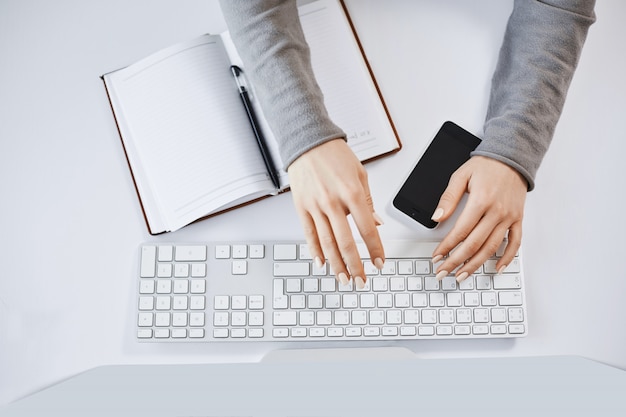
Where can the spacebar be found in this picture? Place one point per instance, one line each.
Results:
(291, 269)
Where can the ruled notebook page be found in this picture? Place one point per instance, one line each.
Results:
(186, 133)
(350, 95)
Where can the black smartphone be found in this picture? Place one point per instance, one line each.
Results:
(420, 193)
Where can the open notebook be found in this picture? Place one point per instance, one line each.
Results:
(187, 137)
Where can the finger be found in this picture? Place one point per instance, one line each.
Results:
(469, 247)
(467, 221)
(329, 247)
(487, 250)
(312, 240)
(346, 246)
(451, 196)
(512, 247)
(366, 220)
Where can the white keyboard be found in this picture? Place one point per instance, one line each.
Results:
(213, 292)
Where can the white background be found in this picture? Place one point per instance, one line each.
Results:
(70, 222)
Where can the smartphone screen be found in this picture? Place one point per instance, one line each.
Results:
(419, 195)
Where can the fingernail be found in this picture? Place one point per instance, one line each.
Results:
(360, 283)
(436, 258)
(437, 214)
(379, 263)
(461, 276)
(379, 221)
(501, 270)
(441, 275)
(343, 278)
(318, 262)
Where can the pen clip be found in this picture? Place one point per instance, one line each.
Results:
(236, 73)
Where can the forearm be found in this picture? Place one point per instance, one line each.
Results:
(539, 54)
(269, 39)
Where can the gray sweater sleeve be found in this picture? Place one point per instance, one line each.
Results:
(270, 41)
(540, 51)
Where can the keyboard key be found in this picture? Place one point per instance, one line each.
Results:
(146, 286)
(335, 332)
(239, 268)
(431, 283)
(507, 282)
(222, 252)
(286, 252)
(480, 329)
(426, 330)
(405, 267)
(323, 318)
(379, 284)
(411, 316)
(408, 331)
(444, 330)
(328, 284)
(284, 318)
(221, 302)
(390, 331)
(196, 333)
(377, 317)
(239, 302)
(196, 319)
(166, 253)
(429, 316)
(483, 282)
(293, 285)
(198, 270)
(145, 320)
(462, 330)
(310, 285)
(181, 270)
(314, 301)
(512, 298)
(291, 269)
(257, 252)
(164, 270)
(198, 286)
(353, 331)
(422, 267)
(240, 251)
(255, 333)
(255, 318)
(148, 262)
(371, 331)
(396, 284)
(516, 328)
(516, 314)
(255, 302)
(414, 283)
(184, 253)
(341, 317)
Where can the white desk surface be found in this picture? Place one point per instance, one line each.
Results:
(71, 223)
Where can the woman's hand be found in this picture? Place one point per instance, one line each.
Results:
(328, 182)
(495, 206)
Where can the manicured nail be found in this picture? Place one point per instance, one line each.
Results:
(318, 262)
(437, 214)
(436, 258)
(501, 270)
(379, 263)
(379, 221)
(343, 278)
(461, 276)
(441, 275)
(360, 283)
